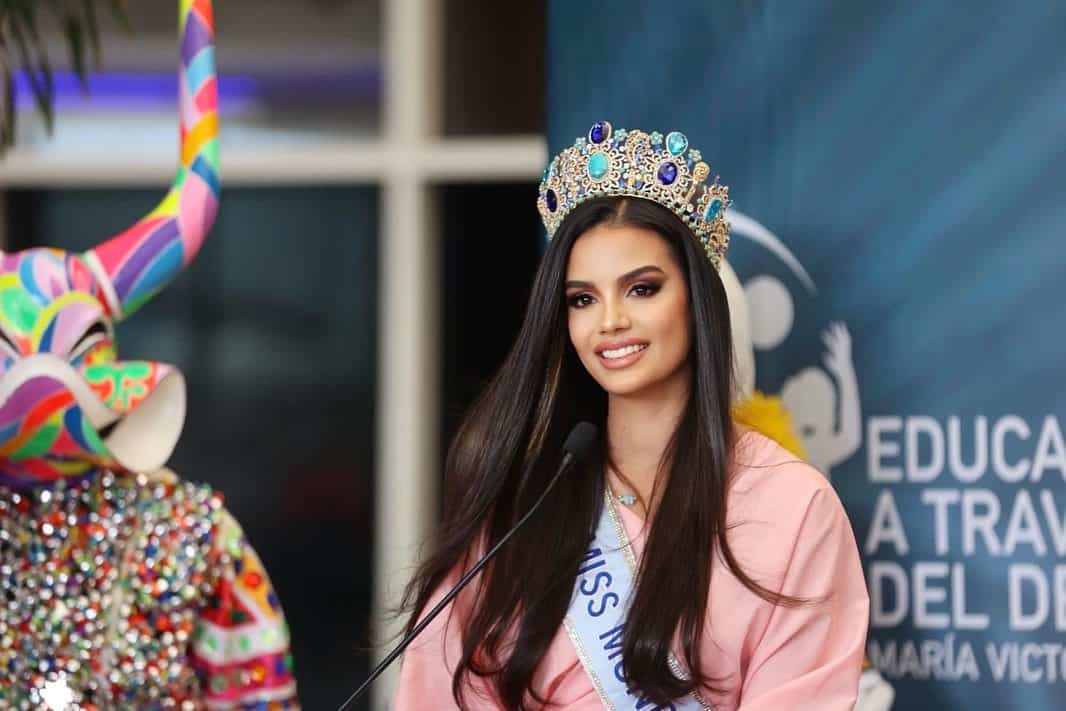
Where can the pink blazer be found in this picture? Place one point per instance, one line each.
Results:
(792, 535)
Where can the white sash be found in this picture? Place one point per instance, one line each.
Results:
(597, 615)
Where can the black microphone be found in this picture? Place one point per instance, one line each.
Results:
(576, 448)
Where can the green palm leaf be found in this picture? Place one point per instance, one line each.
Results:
(22, 49)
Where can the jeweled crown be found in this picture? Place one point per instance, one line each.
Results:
(617, 162)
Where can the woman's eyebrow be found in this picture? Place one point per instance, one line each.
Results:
(628, 276)
(639, 271)
(578, 284)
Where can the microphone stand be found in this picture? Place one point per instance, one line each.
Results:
(587, 435)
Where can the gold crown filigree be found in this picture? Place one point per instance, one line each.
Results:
(615, 162)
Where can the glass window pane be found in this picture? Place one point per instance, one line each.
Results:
(486, 276)
(494, 67)
(291, 75)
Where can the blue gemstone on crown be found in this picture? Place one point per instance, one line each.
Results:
(664, 169)
(667, 173)
(600, 132)
(713, 209)
(551, 167)
(598, 165)
(676, 143)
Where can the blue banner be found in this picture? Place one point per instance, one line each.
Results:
(899, 172)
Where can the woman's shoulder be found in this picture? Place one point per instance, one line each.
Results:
(769, 483)
(781, 511)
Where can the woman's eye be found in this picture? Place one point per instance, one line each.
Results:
(578, 301)
(644, 289)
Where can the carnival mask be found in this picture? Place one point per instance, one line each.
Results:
(67, 404)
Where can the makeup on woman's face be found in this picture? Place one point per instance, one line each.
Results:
(627, 309)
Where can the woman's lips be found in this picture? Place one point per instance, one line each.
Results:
(623, 356)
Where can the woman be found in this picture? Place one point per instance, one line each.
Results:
(693, 564)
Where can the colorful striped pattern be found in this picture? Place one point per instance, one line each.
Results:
(240, 647)
(139, 262)
(48, 301)
(44, 433)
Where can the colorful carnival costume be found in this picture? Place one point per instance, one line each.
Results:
(121, 586)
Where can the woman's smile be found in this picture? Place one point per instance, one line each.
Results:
(621, 354)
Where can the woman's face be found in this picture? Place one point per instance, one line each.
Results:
(628, 314)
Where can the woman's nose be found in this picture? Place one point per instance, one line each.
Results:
(614, 317)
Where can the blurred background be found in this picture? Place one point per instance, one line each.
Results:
(899, 172)
(338, 139)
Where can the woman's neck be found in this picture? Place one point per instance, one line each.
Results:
(638, 431)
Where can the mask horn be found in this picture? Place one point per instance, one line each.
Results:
(136, 264)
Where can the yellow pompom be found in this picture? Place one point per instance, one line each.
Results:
(767, 415)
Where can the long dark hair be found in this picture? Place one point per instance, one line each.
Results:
(507, 448)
